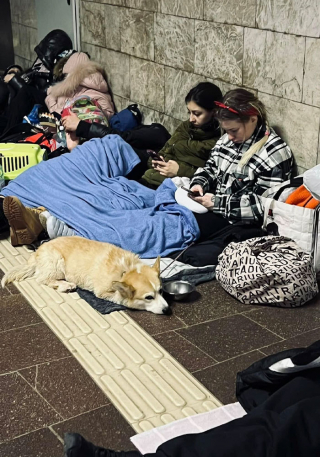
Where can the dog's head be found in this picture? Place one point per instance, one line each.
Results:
(140, 288)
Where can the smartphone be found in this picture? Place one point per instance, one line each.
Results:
(190, 192)
(154, 155)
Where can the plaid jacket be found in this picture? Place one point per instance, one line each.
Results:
(237, 190)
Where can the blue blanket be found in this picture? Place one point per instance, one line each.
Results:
(87, 190)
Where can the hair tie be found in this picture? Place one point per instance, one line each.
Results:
(249, 112)
(222, 105)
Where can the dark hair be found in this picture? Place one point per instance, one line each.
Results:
(204, 95)
(245, 103)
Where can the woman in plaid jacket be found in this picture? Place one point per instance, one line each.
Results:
(248, 159)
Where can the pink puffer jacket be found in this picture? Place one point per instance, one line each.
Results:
(83, 78)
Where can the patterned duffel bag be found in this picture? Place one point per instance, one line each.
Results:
(271, 270)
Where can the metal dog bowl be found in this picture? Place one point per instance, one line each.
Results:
(178, 290)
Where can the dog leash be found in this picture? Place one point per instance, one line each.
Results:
(179, 255)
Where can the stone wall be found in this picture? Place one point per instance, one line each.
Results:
(24, 31)
(155, 50)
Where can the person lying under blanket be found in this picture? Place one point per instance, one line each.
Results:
(87, 189)
(187, 149)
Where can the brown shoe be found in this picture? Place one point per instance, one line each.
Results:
(24, 222)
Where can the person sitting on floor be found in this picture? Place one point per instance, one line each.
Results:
(82, 77)
(30, 88)
(187, 149)
(248, 159)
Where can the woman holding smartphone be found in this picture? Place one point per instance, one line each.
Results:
(190, 145)
(248, 159)
(188, 148)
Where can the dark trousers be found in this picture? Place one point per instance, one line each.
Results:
(209, 224)
(140, 169)
(4, 225)
(215, 234)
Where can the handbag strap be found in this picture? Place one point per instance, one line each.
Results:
(294, 182)
(315, 231)
(268, 205)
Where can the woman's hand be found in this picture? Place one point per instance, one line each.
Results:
(72, 140)
(205, 200)
(168, 169)
(70, 123)
(197, 188)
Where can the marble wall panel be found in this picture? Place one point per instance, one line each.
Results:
(110, 2)
(15, 10)
(24, 41)
(112, 21)
(174, 41)
(273, 63)
(147, 5)
(93, 51)
(299, 170)
(299, 17)
(23, 12)
(239, 12)
(27, 13)
(185, 8)
(120, 102)
(170, 123)
(311, 82)
(16, 38)
(137, 33)
(93, 29)
(219, 51)
(150, 116)
(177, 85)
(297, 124)
(24, 63)
(117, 66)
(147, 83)
(225, 87)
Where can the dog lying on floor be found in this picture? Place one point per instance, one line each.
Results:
(106, 270)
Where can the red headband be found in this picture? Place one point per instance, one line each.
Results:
(250, 112)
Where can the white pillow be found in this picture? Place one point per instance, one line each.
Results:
(183, 199)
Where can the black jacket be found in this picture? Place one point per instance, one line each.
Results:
(283, 413)
(51, 46)
(152, 136)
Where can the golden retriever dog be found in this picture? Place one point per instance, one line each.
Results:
(106, 270)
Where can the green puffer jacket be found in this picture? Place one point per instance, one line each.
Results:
(189, 147)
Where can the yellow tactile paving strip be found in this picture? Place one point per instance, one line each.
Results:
(147, 385)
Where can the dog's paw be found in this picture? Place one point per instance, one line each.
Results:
(66, 287)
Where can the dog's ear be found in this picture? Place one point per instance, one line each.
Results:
(156, 265)
(126, 291)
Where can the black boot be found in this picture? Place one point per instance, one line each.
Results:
(77, 446)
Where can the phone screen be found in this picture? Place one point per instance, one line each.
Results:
(190, 192)
(154, 155)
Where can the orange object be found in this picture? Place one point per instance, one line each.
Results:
(302, 197)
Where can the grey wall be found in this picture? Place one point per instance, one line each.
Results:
(155, 50)
(6, 54)
(24, 31)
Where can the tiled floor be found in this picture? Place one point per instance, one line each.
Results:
(214, 336)
(44, 392)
